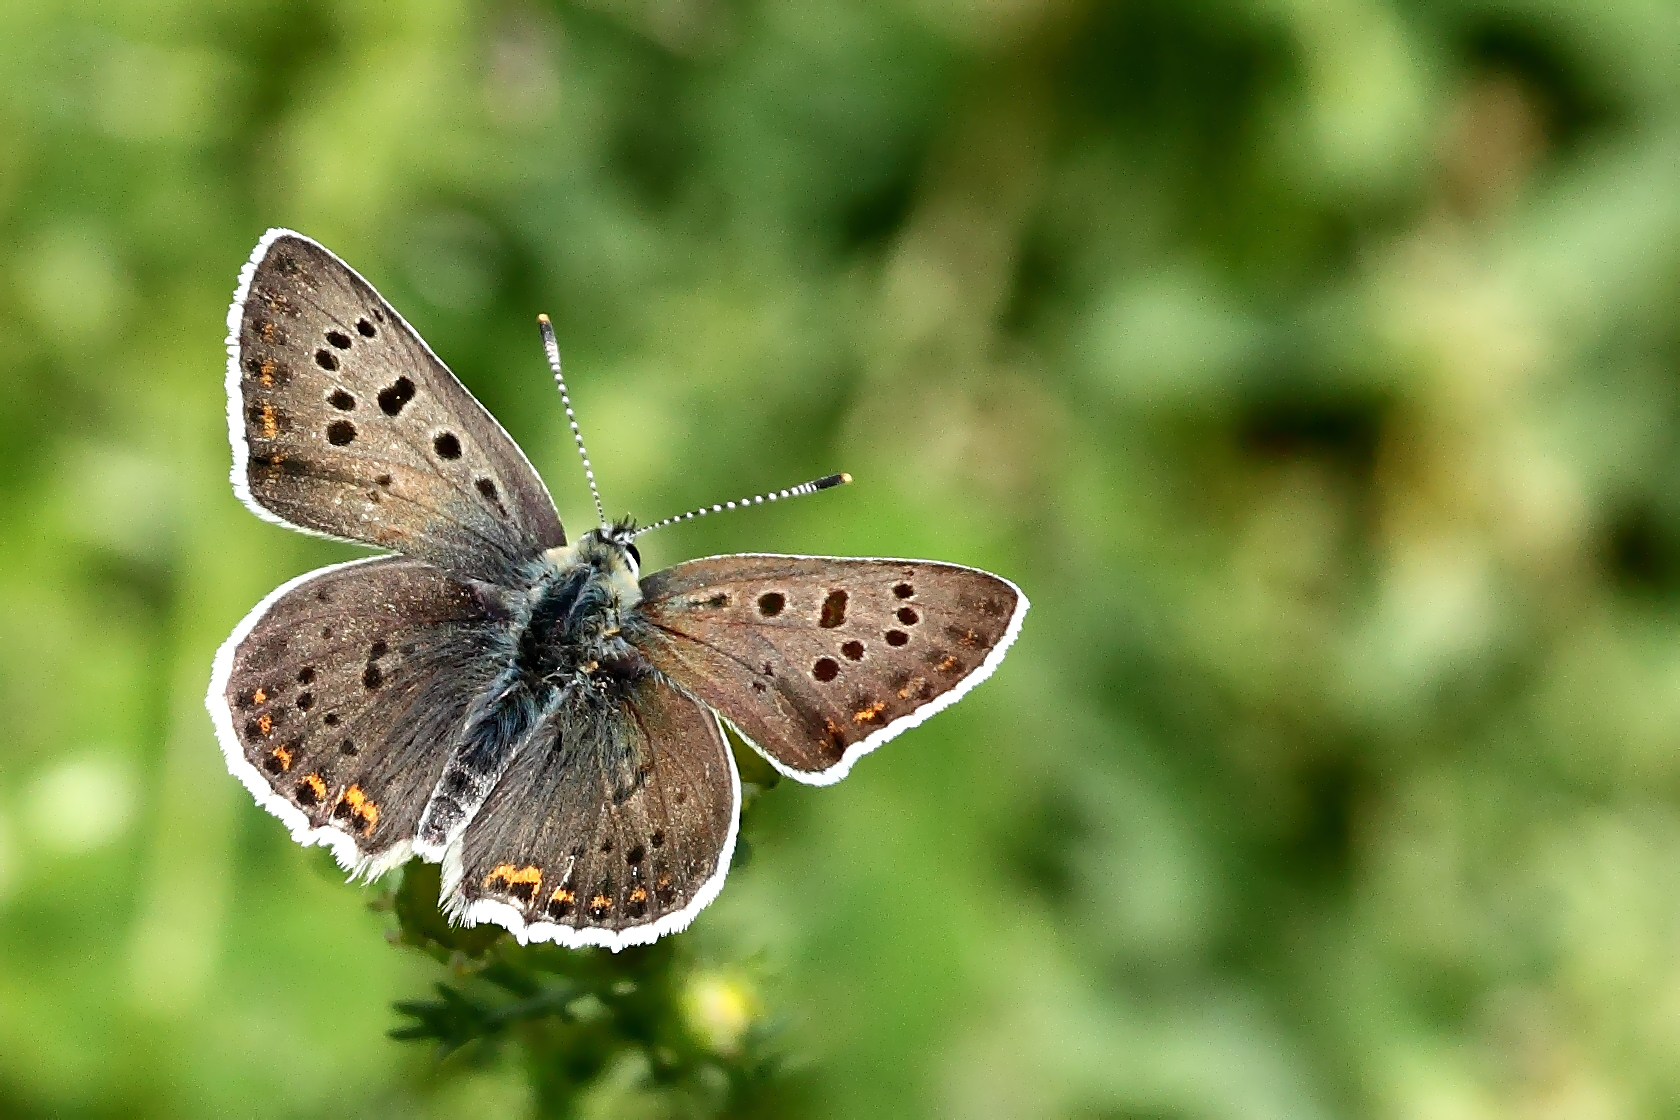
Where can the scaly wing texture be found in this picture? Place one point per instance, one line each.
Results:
(337, 698)
(343, 422)
(818, 660)
(613, 825)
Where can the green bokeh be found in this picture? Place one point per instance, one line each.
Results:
(1312, 366)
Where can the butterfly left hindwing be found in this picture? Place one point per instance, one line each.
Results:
(337, 697)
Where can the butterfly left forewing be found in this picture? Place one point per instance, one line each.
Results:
(613, 825)
(343, 422)
(818, 660)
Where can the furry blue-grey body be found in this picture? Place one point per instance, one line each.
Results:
(567, 663)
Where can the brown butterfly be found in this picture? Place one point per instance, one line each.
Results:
(534, 714)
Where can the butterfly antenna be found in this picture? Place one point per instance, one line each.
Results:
(823, 483)
(553, 349)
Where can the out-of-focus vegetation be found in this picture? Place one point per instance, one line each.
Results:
(1313, 366)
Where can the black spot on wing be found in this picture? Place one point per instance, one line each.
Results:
(395, 396)
(833, 610)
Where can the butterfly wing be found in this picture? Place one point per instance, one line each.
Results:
(816, 661)
(337, 697)
(613, 825)
(343, 422)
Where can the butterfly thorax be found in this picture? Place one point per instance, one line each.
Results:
(580, 604)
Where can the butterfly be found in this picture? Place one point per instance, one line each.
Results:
(535, 714)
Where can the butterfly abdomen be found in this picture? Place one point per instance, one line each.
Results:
(567, 653)
(495, 729)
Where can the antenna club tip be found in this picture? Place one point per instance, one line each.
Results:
(543, 318)
(844, 477)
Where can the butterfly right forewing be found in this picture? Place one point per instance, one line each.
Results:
(818, 660)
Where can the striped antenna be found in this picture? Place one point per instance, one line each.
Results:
(553, 349)
(811, 487)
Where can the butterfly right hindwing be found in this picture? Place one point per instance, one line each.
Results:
(614, 824)
(818, 660)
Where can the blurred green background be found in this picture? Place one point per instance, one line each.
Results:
(1312, 366)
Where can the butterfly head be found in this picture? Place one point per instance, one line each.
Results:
(612, 555)
(621, 536)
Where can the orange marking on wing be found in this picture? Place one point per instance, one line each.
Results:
(600, 902)
(359, 806)
(265, 723)
(948, 664)
(561, 894)
(260, 696)
(510, 875)
(270, 426)
(284, 757)
(864, 715)
(316, 786)
(265, 373)
(267, 330)
(639, 895)
(911, 686)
